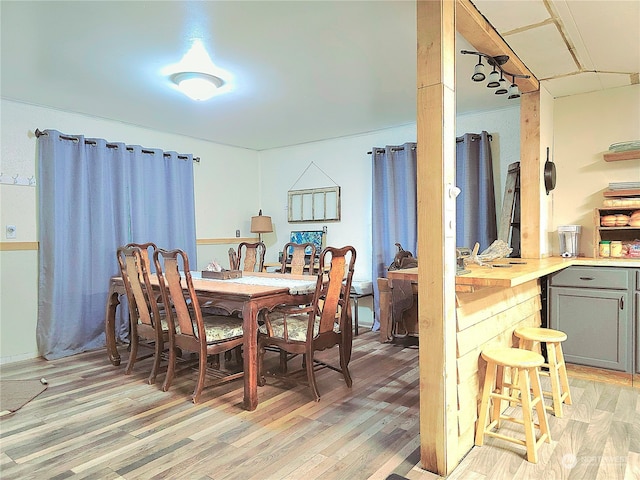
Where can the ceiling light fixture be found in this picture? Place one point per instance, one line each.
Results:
(496, 77)
(196, 76)
(502, 88)
(197, 85)
(478, 71)
(514, 91)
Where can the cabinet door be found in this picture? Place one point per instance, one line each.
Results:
(597, 323)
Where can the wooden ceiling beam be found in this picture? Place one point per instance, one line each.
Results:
(476, 30)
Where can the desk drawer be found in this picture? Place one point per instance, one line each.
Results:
(591, 277)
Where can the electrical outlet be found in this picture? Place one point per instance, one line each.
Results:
(11, 231)
(237, 233)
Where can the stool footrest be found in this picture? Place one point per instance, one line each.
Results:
(506, 437)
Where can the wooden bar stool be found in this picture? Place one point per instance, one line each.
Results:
(529, 337)
(527, 364)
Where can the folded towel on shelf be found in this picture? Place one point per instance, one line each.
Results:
(625, 146)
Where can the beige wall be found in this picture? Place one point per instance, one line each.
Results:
(585, 126)
(222, 173)
(232, 184)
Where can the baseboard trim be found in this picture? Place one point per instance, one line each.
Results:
(603, 375)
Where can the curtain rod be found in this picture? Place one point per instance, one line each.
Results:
(39, 133)
(474, 136)
(393, 149)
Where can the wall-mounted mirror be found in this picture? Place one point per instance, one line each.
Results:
(314, 205)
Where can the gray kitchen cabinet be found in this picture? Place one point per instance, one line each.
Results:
(594, 307)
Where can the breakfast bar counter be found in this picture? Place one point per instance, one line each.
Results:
(491, 302)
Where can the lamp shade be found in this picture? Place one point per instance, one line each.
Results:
(494, 79)
(478, 73)
(261, 224)
(514, 91)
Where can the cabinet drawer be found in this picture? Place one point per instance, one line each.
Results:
(591, 277)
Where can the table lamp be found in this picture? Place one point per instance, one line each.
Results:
(261, 224)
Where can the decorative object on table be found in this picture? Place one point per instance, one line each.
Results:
(403, 259)
(498, 249)
(261, 224)
(215, 271)
(222, 275)
(213, 266)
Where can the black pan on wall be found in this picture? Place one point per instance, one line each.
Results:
(549, 174)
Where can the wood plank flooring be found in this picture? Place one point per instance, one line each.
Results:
(94, 422)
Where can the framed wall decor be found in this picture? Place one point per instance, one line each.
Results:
(314, 205)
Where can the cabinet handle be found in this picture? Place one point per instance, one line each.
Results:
(621, 303)
(586, 278)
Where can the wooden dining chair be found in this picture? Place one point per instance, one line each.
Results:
(250, 256)
(147, 324)
(147, 250)
(233, 260)
(189, 329)
(294, 258)
(324, 324)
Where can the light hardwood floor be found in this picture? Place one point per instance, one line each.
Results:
(95, 422)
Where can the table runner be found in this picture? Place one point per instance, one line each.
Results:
(296, 287)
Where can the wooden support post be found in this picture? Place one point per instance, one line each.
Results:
(531, 184)
(436, 235)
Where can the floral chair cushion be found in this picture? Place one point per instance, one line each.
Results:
(222, 327)
(296, 326)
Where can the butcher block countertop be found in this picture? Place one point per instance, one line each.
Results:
(519, 271)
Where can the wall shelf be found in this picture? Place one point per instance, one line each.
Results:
(622, 193)
(625, 233)
(617, 156)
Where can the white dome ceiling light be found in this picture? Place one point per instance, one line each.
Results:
(197, 85)
(196, 75)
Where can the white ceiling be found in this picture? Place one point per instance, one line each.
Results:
(303, 70)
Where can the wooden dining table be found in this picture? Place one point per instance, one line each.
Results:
(249, 294)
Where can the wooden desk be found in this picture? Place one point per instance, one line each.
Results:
(232, 296)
